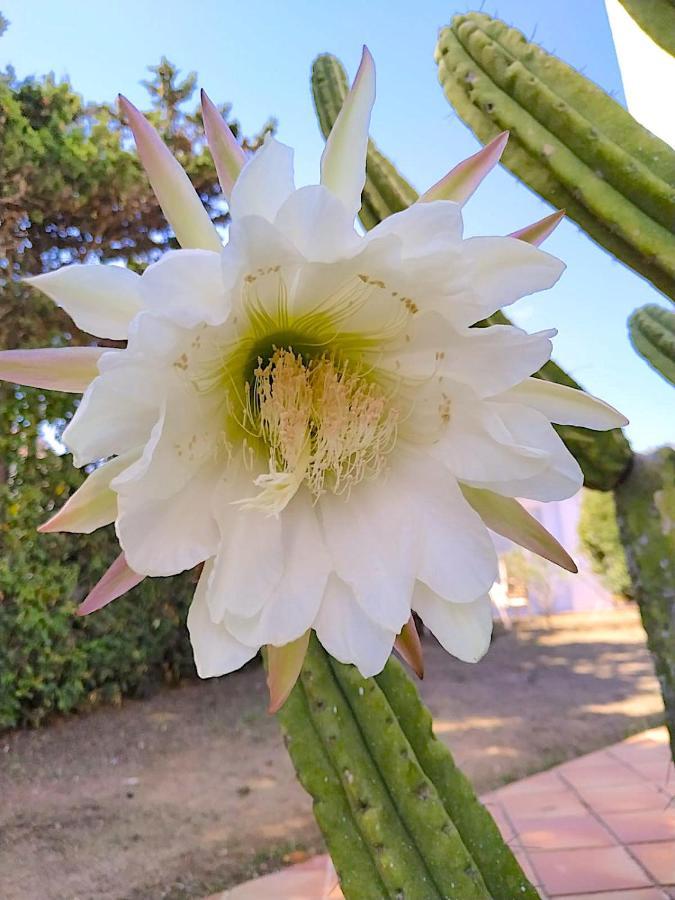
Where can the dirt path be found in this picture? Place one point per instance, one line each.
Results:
(191, 791)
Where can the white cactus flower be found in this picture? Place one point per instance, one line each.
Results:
(308, 411)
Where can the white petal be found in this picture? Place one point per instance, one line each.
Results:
(215, 650)
(425, 230)
(457, 556)
(463, 629)
(187, 287)
(180, 202)
(94, 504)
(117, 413)
(318, 225)
(565, 405)
(69, 369)
(264, 183)
(296, 599)
(504, 269)
(167, 536)
(343, 162)
(348, 634)
(101, 300)
(559, 478)
(374, 544)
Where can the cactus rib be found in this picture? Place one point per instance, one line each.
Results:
(570, 142)
(390, 822)
(652, 332)
(499, 867)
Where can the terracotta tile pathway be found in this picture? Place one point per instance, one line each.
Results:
(601, 827)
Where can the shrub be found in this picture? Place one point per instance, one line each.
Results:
(600, 541)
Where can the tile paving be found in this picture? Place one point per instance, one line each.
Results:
(601, 827)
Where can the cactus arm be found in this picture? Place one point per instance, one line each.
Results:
(496, 80)
(656, 18)
(652, 332)
(645, 505)
(353, 863)
(415, 797)
(499, 867)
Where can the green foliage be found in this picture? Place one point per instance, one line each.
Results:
(398, 817)
(601, 542)
(72, 189)
(652, 331)
(656, 18)
(570, 142)
(603, 456)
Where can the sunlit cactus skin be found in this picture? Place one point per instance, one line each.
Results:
(603, 456)
(570, 142)
(652, 331)
(656, 18)
(398, 817)
(386, 191)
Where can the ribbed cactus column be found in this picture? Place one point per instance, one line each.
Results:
(570, 142)
(398, 817)
(603, 456)
(645, 505)
(652, 331)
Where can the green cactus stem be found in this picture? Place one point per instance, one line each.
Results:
(656, 18)
(645, 505)
(652, 332)
(387, 796)
(570, 142)
(604, 457)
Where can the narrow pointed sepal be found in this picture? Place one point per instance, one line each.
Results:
(180, 202)
(409, 646)
(69, 369)
(537, 233)
(283, 668)
(462, 181)
(117, 581)
(507, 517)
(228, 155)
(343, 162)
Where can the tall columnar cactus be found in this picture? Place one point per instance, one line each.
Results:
(399, 818)
(656, 18)
(570, 142)
(652, 331)
(645, 505)
(603, 456)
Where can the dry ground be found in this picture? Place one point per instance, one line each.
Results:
(191, 791)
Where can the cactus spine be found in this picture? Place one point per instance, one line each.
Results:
(652, 331)
(645, 505)
(570, 141)
(603, 456)
(398, 817)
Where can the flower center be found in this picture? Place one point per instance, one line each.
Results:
(324, 423)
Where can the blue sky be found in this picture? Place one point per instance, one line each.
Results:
(258, 54)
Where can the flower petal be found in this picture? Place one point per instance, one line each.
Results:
(343, 162)
(283, 668)
(537, 233)
(318, 225)
(462, 181)
(348, 634)
(228, 155)
(93, 504)
(565, 405)
(507, 517)
(264, 183)
(216, 652)
(463, 629)
(187, 287)
(100, 299)
(117, 581)
(504, 269)
(69, 369)
(409, 646)
(180, 203)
